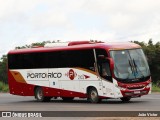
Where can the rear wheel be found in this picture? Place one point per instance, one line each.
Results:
(125, 99)
(67, 98)
(39, 95)
(93, 96)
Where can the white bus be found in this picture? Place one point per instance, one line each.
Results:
(81, 69)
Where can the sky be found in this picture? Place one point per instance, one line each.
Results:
(27, 21)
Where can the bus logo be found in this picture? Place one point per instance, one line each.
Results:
(71, 74)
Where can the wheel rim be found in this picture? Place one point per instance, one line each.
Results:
(93, 95)
(39, 94)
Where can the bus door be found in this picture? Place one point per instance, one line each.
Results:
(106, 79)
(103, 66)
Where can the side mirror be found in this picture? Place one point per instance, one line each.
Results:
(110, 60)
(101, 56)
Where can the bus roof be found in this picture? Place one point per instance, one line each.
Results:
(107, 46)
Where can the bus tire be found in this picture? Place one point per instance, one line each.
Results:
(39, 95)
(93, 96)
(67, 98)
(125, 99)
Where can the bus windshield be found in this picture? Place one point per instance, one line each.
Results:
(130, 65)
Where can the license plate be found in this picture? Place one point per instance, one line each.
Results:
(137, 92)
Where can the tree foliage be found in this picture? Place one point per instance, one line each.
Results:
(36, 44)
(3, 69)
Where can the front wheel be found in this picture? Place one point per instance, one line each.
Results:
(39, 95)
(125, 99)
(93, 96)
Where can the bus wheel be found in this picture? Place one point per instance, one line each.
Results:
(125, 99)
(67, 98)
(93, 96)
(39, 95)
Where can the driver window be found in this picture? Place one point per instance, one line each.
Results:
(105, 70)
(103, 65)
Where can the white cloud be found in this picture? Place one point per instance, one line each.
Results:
(143, 6)
(127, 17)
(49, 19)
(90, 35)
(122, 22)
(26, 21)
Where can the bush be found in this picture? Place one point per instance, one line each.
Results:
(4, 87)
(1, 85)
(155, 88)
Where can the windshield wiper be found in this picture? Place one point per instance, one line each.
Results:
(131, 66)
(132, 69)
(136, 67)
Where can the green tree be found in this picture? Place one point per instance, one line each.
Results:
(37, 44)
(3, 69)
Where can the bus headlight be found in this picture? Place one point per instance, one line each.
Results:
(121, 88)
(149, 85)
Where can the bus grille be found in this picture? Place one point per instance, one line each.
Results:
(135, 88)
